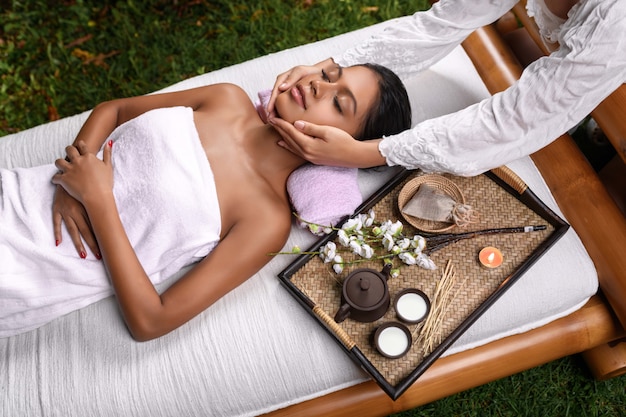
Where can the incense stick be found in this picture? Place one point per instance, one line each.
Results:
(436, 242)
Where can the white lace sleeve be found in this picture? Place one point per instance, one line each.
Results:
(553, 95)
(413, 43)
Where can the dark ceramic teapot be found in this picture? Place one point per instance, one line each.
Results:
(365, 295)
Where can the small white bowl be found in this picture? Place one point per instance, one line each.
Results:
(393, 340)
(412, 305)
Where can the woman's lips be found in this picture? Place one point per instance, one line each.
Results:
(298, 96)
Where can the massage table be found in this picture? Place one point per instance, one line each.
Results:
(256, 351)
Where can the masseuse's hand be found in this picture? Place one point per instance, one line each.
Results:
(289, 78)
(327, 145)
(80, 178)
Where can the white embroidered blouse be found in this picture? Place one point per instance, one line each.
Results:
(553, 94)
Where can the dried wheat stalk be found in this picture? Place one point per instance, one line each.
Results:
(431, 335)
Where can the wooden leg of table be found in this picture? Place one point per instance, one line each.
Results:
(608, 360)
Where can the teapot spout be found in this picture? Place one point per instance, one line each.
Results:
(387, 270)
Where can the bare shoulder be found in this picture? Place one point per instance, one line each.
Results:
(225, 98)
(230, 92)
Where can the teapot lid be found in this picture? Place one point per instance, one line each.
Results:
(365, 288)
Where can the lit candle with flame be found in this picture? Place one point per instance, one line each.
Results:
(490, 257)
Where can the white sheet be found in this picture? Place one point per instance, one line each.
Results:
(248, 353)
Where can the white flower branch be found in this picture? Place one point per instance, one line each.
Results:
(363, 236)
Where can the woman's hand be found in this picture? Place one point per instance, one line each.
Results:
(84, 179)
(327, 145)
(66, 208)
(83, 175)
(289, 78)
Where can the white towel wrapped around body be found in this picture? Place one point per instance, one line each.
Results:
(165, 193)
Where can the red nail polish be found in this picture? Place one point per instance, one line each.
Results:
(98, 256)
(110, 143)
(83, 254)
(56, 242)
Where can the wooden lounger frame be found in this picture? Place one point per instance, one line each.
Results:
(596, 330)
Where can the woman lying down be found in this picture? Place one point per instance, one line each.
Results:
(181, 177)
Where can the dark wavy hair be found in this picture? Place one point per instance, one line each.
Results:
(391, 113)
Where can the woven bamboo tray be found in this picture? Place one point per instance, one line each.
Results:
(502, 200)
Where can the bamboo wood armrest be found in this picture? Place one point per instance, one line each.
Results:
(610, 112)
(575, 186)
(610, 117)
(590, 326)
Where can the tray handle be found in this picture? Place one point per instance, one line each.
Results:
(332, 325)
(507, 175)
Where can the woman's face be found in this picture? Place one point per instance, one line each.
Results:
(339, 97)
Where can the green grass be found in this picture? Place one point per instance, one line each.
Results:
(61, 58)
(558, 389)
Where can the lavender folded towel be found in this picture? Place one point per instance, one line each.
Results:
(319, 194)
(324, 195)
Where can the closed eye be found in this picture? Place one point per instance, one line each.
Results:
(337, 105)
(326, 78)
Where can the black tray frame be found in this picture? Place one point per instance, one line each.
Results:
(394, 392)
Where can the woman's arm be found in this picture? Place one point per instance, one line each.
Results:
(408, 46)
(414, 43)
(99, 125)
(553, 94)
(261, 229)
(327, 145)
